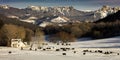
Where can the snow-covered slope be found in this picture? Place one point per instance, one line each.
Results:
(45, 21)
(107, 10)
(100, 43)
(60, 20)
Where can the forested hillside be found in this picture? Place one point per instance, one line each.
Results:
(15, 29)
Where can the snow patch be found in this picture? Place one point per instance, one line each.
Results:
(59, 20)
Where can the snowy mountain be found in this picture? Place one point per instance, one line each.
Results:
(61, 10)
(65, 14)
(52, 20)
(40, 11)
(4, 6)
(107, 10)
(60, 20)
(111, 18)
(30, 20)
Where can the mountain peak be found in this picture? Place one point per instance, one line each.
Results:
(4, 6)
(107, 10)
(111, 18)
(60, 19)
(43, 8)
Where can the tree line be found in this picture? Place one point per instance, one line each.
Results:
(15, 29)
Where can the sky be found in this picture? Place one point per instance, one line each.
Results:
(78, 4)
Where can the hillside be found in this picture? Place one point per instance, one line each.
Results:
(14, 21)
(108, 26)
(11, 28)
(110, 18)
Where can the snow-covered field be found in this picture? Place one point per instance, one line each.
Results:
(105, 45)
(100, 43)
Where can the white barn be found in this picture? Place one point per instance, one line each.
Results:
(16, 43)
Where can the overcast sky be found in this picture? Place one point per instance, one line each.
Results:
(79, 4)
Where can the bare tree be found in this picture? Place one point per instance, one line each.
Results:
(9, 32)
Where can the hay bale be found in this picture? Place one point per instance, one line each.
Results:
(106, 53)
(58, 44)
(42, 43)
(90, 51)
(57, 49)
(118, 54)
(100, 51)
(64, 49)
(96, 51)
(111, 52)
(85, 50)
(62, 43)
(48, 48)
(84, 53)
(74, 51)
(35, 49)
(73, 48)
(61, 48)
(10, 52)
(67, 48)
(63, 53)
(30, 49)
(44, 49)
(46, 43)
(69, 44)
(39, 47)
(21, 48)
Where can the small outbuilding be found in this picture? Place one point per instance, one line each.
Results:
(16, 43)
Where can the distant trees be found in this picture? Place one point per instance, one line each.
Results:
(94, 30)
(65, 37)
(76, 31)
(29, 33)
(9, 32)
(81, 29)
(97, 34)
(13, 28)
(17, 22)
(62, 36)
(51, 29)
(1, 23)
(39, 36)
(106, 29)
(103, 28)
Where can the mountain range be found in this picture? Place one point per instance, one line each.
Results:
(66, 14)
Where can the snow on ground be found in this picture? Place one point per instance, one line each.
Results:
(110, 44)
(100, 43)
